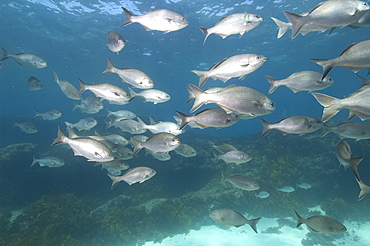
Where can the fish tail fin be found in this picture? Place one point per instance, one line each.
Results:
(137, 146)
(299, 219)
(142, 125)
(222, 177)
(217, 157)
(364, 189)
(202, 77)
(109, 123)
(328, 103)
(362, 80)
(205, 32)
(325, 130)
(115, 180)
(110, 67)
(37, 114)
(197, 96)
(132, 93)
(109, 112)
(14, 123)
(61, 137)
(253, 224)
(326, 65)
(68, 124)
(56, 79)
(82, 86)
(34, 161)
(75, 106)
(283, 27)
(5, 54)
(354, 161)
(296, 20)
(128, 15)
(183, 118)
(266, 127)
(273, 83)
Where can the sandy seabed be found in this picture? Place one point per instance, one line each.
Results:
(357, 235)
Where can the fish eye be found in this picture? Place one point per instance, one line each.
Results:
(258, 16)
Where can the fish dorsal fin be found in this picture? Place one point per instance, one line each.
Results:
(350, 46)
(316, 7)
(217, 64)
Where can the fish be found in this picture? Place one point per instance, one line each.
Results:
(131, 76)
(150, 95)
(115, 138)
(245, 100)
(23, 59)
(163, 126)
(301, 81)
(91, 149)
(158, 19)
(130, 126)
(363, 21)
(235, 66)
(333, 13)
(286, 189)
(222, 148)
(343, 153)
(84, 124)
(354, 130)
(34, 84)
(307, 28)
(134, 175)
(106, 91)
(114, 167)
(48, 161)
(358, 104)
(67, 88)
(233, 24)
(293, 125)
(122, 152)
(160, 142)
(232, 218)
(26, 126)
(305, 186)
(89, 105)
(233, 157)
(323, 224)
(355, 57)
(262, 195)
(115, 42)
(52, 114)
(161, 156)
(215, 117)
(364, 189)
(241, 181)
(121, 114)
(185, 150)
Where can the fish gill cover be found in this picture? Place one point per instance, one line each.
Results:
(73, 204)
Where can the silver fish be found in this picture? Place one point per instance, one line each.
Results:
(233, 24)
(234, 157)
(115, 42)
(241, 181)
(160, 142)
(245, 100)
(115, 138)
(159, 19)
(232, 218)
(185, 150)
(305, 186)
(131, 76)
(114, 167)
(34, 84)
(293, 125)
(161, 156)
(130, 126)
(222, 148)
(106, 91)
(301, 81)
(151, 95)
(163, 126)
(48, 161)
(134, 175)
(235, 66)
(52, 114)
(122, 152)
(89, 148)
(26, 126)
(67, 88)
(287, 189)
(122, 114)
(358, 103)
(83, 124)
(214, 117)
(343, 153)
(89, 105)
(262, 195)
(322, 224)
(363, 21)
(333, 13)
(354, 130)
(355, 57)
(27, 60)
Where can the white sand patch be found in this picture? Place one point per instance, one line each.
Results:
(357, 235)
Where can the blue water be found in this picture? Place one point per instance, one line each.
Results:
(71, 37)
